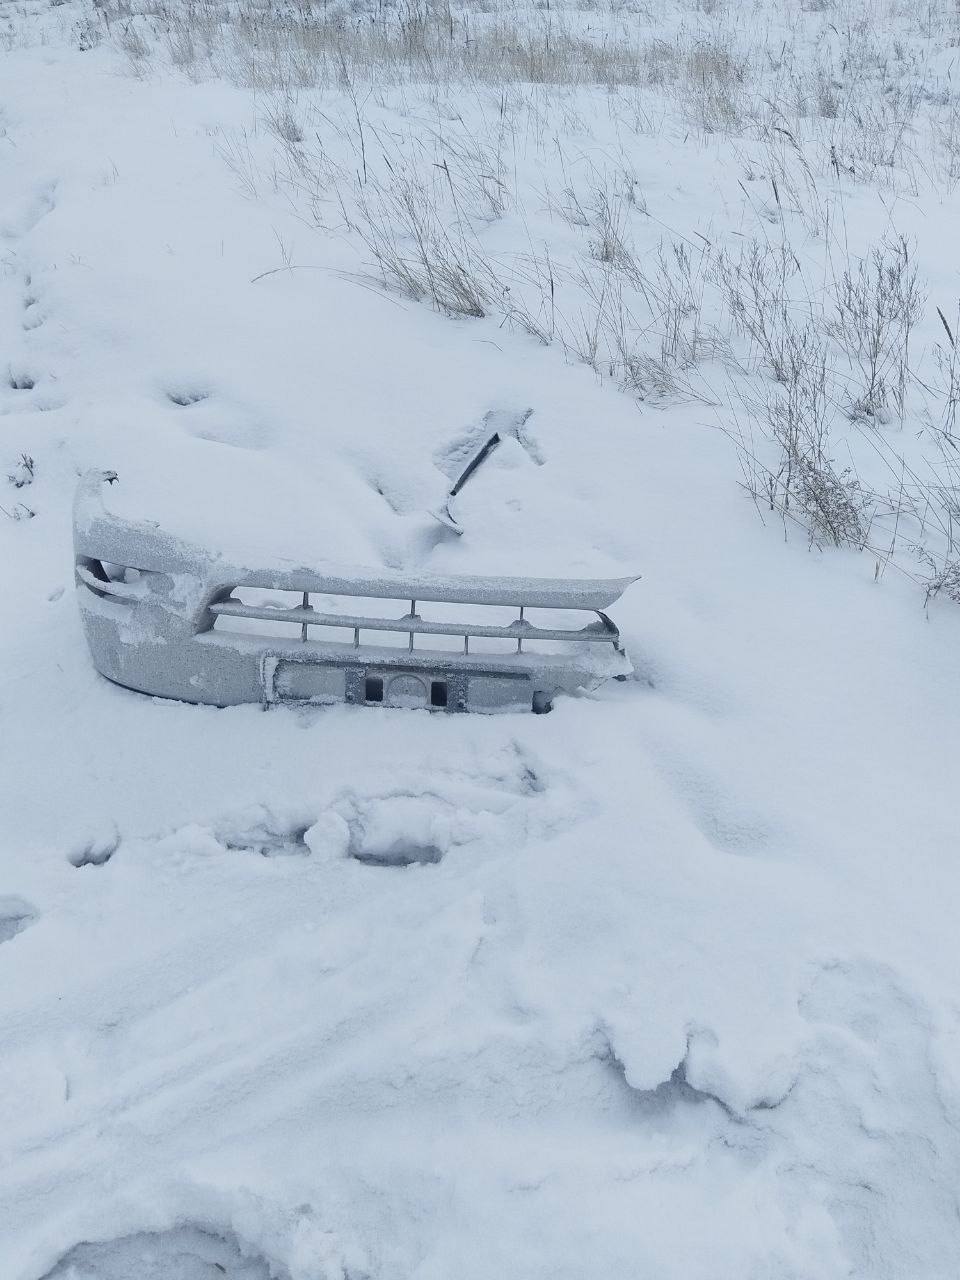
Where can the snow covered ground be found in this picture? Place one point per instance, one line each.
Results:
(679, 1000)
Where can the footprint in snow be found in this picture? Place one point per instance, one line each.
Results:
(183, 1253)
(866, 999)
(33, 316)
(727, 821)
(184, 397)
(409, 826)
(42, 203)
(95, 848)
(217, 420)
(15, 916)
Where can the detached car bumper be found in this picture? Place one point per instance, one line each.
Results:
(167, 618)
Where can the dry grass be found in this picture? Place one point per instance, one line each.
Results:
(812, 338)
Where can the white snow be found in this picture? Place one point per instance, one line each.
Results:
(663, 984)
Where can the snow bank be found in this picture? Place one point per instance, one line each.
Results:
(661, 984)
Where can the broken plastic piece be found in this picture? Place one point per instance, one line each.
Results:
(445, 515)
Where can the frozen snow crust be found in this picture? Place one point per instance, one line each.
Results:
(660, 985)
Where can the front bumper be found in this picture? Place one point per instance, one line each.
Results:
(156, 612)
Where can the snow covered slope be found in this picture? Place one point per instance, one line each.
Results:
(669, 986)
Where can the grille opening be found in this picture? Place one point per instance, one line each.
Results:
(263, 598)
(492, 644)
(559, 619)
(360, 606)
(119, 572)
(380, 639)
(105, 571)
(257, 627)
(438, 693)
(438, 644)
(268, 597)
(96, 571)
(331, 635)
(373, 689)
(556, 620)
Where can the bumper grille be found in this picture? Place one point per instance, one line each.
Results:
(303, 616)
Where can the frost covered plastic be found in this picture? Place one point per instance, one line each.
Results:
(165, 617)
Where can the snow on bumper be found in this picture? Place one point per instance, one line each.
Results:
(167, 618)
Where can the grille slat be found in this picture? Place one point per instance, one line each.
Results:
(411, 624)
